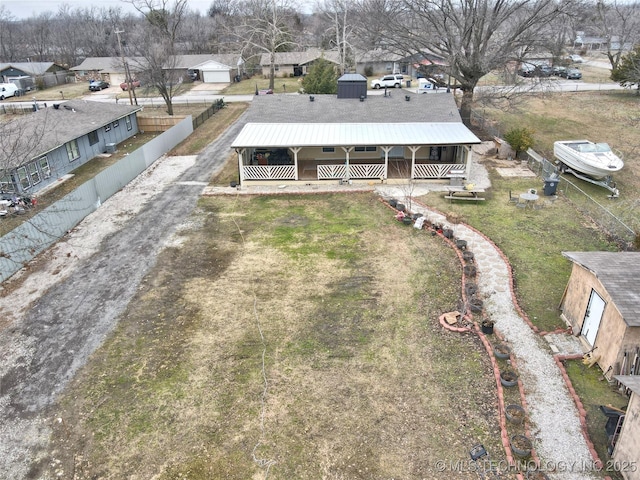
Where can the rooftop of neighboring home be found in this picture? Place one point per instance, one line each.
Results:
(37, 133)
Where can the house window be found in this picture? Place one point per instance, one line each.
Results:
(34, 174)
(328, 149)
(73, 153)
(45, 168)
(93, 137)
(128, 122)
(276, 68)
(23, 178)
(107, 127)
(116, 123)
(366, 149)
(389, 67)
(6, 184)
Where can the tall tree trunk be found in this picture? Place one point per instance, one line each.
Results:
(465, 105)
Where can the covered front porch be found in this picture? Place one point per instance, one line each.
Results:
(259, 164)
(268, 152)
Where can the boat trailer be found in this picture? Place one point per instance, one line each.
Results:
(607, 183)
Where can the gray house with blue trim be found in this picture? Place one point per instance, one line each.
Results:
(39, 148)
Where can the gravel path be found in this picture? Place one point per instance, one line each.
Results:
(79, 290)
(555, 423)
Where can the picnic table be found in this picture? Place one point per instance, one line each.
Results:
(464, 193)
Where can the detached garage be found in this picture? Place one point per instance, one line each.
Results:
(214, 72)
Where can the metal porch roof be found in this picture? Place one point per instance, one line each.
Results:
(284, 135)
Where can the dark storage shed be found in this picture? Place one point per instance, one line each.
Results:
(352, 85)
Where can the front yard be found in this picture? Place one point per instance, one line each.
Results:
(290, 334)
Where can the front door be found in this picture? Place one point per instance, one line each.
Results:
(592, 318)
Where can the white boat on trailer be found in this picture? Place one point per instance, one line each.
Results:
(595, 160)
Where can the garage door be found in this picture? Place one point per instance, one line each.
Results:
(215, 76)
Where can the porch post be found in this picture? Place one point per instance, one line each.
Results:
(467, 170)
(413, 161)
(386, 151)
(295, 151)
(347, 150)
(240, 151)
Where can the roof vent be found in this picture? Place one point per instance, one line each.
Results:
(56, 106)
(311, 98)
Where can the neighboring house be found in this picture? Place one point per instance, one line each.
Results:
(626, 453)
(586, 42)
(46, 73)
(295, 64)
(39, 148)
(602, 304)
(220, 68)
(109, 69)
(381, 62)
(382, 138)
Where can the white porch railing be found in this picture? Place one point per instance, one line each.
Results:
(432, 170)
(332, 171)
(269, 172)
(339, 171)
(371, 170)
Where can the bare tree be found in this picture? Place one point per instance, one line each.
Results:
(474, 36)
(8, 36)
(38, 37)
(342, 23)
(266, 27)
(158, 45)
(618, 22)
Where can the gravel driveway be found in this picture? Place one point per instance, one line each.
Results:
(46, 342)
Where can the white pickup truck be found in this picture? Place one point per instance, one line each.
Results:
(8, 90)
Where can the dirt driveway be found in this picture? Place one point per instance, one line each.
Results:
(44, 344)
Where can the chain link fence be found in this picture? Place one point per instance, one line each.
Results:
(622, 226)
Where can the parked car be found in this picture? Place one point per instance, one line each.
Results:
(543, 71)
(125, 85)
(8, 90)
(389, 81)
(530, 70)
(557, 71)
(576, 58)
(572, 74)
(97, 85)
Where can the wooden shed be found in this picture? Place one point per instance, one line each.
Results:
(602, 304)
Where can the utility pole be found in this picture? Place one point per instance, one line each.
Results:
(126, 68)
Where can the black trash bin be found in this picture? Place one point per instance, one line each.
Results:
(550, 186)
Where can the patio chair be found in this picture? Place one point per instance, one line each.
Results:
(513, 199)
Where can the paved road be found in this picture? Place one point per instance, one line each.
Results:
(72, 319)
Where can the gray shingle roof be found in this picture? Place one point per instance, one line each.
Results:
(619, 273)
(436, 107)
(299, 58)
(114, 64)
(35, 134)
(281, 120)
(32, 68)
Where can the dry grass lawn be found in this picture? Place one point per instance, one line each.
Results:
(291, 335)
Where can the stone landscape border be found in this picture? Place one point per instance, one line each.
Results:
(559, 359)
